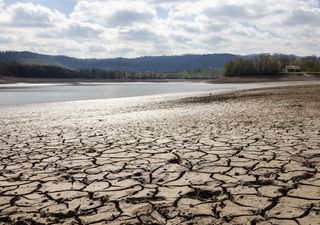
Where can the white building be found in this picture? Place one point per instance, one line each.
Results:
(290, 69)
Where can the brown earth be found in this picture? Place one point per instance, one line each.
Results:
(249, 157)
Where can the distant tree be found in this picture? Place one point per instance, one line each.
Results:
(261, 65)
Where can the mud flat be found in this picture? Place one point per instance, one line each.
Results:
(247, 157)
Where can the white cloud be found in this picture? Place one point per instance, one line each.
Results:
(113, 13)
(31, 15)
(129, 28)
(141, 35)
(75, 31)
(304, 16)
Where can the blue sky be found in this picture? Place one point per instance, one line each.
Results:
(65, 6)
(131, 28)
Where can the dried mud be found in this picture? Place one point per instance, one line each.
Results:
(250, 157)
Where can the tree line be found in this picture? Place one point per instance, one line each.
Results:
(259, 65)
(43, 71)
(269, 64)
(56, 72)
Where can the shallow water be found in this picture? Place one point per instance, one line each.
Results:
(20, 93)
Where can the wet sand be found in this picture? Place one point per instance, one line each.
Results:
(246, 157)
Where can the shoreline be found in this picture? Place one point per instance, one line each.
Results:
(220, 80)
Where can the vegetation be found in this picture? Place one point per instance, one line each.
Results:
(262, 65)
(269, 65)
(39, 71)
(241, 66)
(194, 74)
(42, 71)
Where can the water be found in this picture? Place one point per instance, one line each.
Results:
(17, 94)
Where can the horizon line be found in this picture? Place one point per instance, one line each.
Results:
(146, 56)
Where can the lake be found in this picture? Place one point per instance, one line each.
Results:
(17, 94)
(22, 93)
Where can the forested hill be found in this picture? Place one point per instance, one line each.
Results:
(141, 64)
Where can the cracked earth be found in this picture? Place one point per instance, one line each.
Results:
(251, 157)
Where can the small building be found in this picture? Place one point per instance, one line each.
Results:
(293, 69)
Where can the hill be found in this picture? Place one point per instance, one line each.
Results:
(141, 64)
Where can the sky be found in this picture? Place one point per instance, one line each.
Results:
(133, 28)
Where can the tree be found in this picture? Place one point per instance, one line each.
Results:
(261, 65)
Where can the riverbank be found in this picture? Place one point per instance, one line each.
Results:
(246, 157)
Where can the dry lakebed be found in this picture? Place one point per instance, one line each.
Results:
(241, 157)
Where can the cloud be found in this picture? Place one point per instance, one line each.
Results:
(127, 17)
(304, 17)
(140, 35)
(84, 30)
(229, 11)
(98, 48)
(114, 13)
(130, 28)
(76, 31)
(32, 15)
(5, 40)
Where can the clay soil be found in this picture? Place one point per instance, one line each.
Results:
(249, 157)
